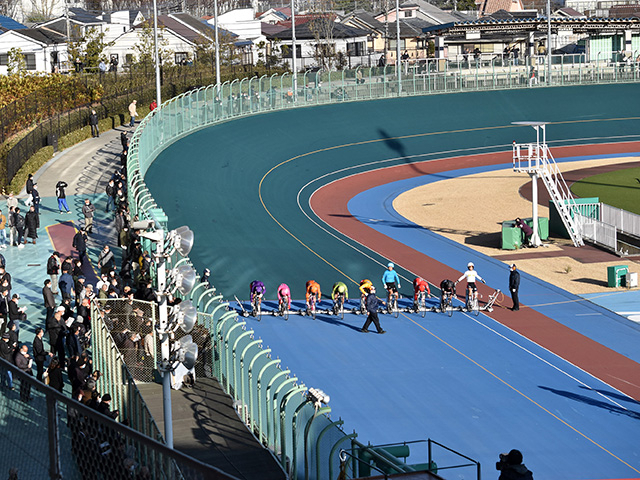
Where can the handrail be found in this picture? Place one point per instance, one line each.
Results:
(474, 462)
(343, 458)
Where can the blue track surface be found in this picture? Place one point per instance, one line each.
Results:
(467, 382)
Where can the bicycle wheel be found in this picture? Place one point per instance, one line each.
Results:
(342, 308)
(450, 308)
(259, 311)
(285, 312)
(476, 307)
(423, 306)
(396, 311)
(313, 309)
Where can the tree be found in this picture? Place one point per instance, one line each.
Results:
(322, 27)
(16, 62)
(145, 47)
(41, 10)
(269, 54)
(88, 46)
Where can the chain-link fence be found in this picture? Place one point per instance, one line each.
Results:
(47, 435)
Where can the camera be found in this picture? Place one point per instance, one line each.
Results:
(503, 461)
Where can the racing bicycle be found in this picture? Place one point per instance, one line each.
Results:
(392, 303)
(311, 306)
(471, 303)
(283, 308)
(446, 303)
(256, 307)
(422, 303)
(338, 305)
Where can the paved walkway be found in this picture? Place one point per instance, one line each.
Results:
(205, 424)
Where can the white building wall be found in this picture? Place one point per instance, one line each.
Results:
(10, 39)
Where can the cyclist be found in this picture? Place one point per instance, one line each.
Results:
(448, 291)
(365, 288)
(419, 285)
(338, 289)
(284, 293)
(256, 288)
(313, 288)
(391, 281)
(471, 275)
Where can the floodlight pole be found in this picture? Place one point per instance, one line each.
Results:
(156, 54)
(549, 42)
(163, 331)
(215, 19)
(293, 47)
(398, 64)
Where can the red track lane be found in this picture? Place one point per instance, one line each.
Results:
(330, 204)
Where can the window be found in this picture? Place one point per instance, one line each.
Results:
(128, 58)
(30, 60)
(356, 49)
(392, 44)
(286, 51)
(4, 59)
(181, 58)
(409, 13)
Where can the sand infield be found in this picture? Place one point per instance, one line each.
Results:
(469, 210)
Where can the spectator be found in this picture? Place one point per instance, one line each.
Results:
(106, 260)
(18, 222)
(110, 190)
(17, 314)
(3, 230)
(102, 67)
(39, 353)
(105, 407)
(73, 341)
(11, 225)
(512, 468)
(133, 112)
(49, 300)
(6, 352)
(24, 363)
(55, 375)
(35, 198)
(153, 105)
(32, 222)
(29, 185)
(66, 286)
(93, 122)
(80, 243)
(124, 140)
(56, 329)
(87, 211)
(53, 269)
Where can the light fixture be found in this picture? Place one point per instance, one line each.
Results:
(184, 278)
(181, 240)
(186, 352)
(317, 397)
(185, 316)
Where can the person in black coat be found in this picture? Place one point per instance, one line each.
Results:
(49, 301)
(35, 198)
(372, 309)
(39, 353)
(19, 223)
(93, 122)
(53, 270)
(55, 375)
(80, 243)
(6, 352)
(514, 286)
(73, 342)
(32, 223)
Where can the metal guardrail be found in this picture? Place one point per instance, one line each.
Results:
(268, 398)
(49, 435)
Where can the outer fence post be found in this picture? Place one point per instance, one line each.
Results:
(54, 439)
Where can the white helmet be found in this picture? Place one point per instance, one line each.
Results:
(390, 265)
(470, 264)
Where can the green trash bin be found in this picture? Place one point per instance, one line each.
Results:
(616, 275)
(511, 236)
(543, 226)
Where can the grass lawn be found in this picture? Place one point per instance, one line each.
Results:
(619, 189)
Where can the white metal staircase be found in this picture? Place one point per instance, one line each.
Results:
(536, 159)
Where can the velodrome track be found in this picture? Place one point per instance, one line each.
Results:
(475, 384)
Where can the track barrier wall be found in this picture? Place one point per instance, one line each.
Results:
(272, 401)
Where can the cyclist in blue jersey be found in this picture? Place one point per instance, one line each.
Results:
(391, 281)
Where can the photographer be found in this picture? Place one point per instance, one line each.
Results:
(512, 468)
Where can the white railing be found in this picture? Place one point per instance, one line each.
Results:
(598, 231)
(625, 221)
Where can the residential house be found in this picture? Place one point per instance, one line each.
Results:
(349, 41)
(7, 23)
(42, 49)
(275, 15)
(246, 27)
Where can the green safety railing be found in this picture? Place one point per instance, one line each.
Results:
(271, 400)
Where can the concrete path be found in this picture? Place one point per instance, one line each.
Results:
(205, 422)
